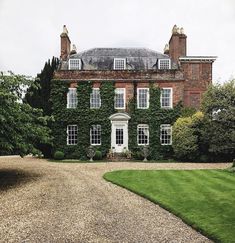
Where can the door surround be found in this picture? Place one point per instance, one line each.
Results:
(119, 121)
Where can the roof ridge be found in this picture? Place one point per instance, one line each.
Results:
(94, 49)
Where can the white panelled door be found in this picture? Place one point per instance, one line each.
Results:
(119, 134)
(119, 137)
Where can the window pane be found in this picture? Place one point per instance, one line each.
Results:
(95, 100)
(164, 64)
(119, 64)
(143, 98)
(74, 64)
(95, 135)
(119, 98)
(165, 134)
(166, 95)
(119, 136)
(143, 134)
(72, 134)
(72, 98)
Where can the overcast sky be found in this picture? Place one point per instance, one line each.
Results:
(30, 29)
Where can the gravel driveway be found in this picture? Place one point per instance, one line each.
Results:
(73, 203)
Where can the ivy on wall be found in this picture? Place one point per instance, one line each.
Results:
(84, 118)
(154, 117)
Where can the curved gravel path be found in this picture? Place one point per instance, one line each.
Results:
(73, 203)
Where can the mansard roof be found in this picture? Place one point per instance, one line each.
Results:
(103, 58)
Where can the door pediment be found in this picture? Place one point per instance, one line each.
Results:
(120, 116)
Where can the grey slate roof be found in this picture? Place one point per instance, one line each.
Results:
(102, 58)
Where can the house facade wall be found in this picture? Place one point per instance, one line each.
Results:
(188, 78)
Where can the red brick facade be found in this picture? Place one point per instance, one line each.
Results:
(188, 79)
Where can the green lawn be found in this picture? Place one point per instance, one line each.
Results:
(205, 199)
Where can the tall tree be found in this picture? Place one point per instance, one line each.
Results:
(38, 95)
(218, 133)
(21, 126)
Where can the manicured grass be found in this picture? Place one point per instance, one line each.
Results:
(205, 199)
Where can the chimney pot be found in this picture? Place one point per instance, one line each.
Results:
(174, 30)
(166, 49)
(74, 49)
(177, 43)
(65, 44)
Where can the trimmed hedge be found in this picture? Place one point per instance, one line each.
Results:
(58, 155)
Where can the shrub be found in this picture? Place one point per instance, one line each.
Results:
(184, 141)
(75, 155)
(204, 158)
(186, 137)
(58, 155)
(137, 155)
(98, 155)
(188, 111)
(83, 158)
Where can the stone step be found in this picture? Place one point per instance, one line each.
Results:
(116, 157)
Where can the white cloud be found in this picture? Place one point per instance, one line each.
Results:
(30, 29)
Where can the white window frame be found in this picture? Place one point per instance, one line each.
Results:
(163, 127)
(68, 140)
(92, 107)
(142, 126)
(71, 105)
(124, 96)
(171, 99)
(162, 60)
(138, 101)
(72, 66)
(95, 144)
(119, 59)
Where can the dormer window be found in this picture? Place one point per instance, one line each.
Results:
(75, 64)
(119, 64)
(164, 64)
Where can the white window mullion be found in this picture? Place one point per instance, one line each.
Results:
(72, 98)
(119, 64)
(72, 134)
(120, 98)
(95, 99)
(95, 135)
(166, 98)
(142, 98)
(74, 64)
(143, 134)
(166, 134)
(164, 63)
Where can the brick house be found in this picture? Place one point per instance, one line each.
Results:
(181, 78)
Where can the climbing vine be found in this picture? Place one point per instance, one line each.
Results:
(84, 118)
(154, 117)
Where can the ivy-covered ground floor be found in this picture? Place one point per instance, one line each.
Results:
(121, 137)
(107, 128)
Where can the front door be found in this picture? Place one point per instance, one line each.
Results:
(119, 137)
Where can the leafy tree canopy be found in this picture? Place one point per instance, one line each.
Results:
(38, 94)
(219, 108)
(21, 126)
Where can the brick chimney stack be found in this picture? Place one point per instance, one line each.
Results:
(65, 44)
(177, 44)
